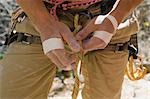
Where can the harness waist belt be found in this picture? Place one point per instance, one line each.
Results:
(32, 39)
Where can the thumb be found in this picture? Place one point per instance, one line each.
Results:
(88, 29)
(70, 39)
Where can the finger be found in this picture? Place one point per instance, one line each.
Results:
(93, 44)
(71, 67)
(65, 58)
(55, 60)
(86, 30)
(70, 39)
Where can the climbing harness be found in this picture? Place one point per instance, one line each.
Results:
(133, 74)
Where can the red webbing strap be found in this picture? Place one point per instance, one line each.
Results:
(69, 5)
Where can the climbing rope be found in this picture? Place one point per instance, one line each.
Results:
(135, 70)
(77, 71)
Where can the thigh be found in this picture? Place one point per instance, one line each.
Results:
(26, 73)
(104, 72)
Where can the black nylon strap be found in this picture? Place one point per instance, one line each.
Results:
(133, 47)
(24, 38)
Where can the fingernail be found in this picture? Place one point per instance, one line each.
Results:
(76, 47)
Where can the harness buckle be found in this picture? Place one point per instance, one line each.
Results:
(27, 39)
(119, 47)
(24, 38)
(26, 42)
(21, 18)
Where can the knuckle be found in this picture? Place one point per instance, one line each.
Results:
(72, 42)
(81, 34)
(65, 61)
(66, 34)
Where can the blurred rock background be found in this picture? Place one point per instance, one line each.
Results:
(62, 82)
(144, 33)
(6, 8)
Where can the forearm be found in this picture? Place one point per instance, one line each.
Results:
(39, 16)
(124, 9)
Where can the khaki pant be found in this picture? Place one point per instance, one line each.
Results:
(26, 73)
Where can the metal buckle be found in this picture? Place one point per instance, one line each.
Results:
(21, 19)
(133, 51)
(25, 34)
(25, 41)
(119, 47)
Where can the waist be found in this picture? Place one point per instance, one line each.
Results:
(71, 4)
(28, 39)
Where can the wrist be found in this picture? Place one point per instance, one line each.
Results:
(104, 36)
(47, 35)
(107, 23)
(52, 44)
(47, 31)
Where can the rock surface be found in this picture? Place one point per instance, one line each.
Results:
(131, 89)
